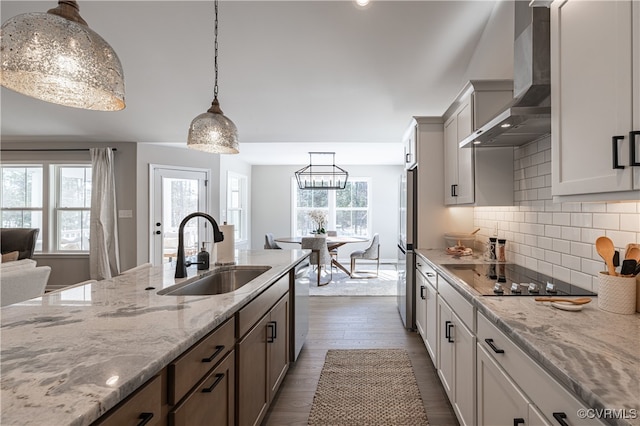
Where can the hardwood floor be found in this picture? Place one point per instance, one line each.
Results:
(355, 322)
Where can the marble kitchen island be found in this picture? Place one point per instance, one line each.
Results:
(70, 356)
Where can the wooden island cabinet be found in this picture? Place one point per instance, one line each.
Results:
(229, 377)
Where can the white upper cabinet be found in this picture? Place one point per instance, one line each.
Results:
(482, 176)
(595, 98)
(410, 146)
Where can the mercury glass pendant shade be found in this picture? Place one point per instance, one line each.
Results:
(213, 132)
(56, 57)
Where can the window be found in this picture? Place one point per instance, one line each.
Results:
(72, 208)
(237, 200)
(347, 210)
(56, 198)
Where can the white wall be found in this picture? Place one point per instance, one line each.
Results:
(493, 57)
(556, 239)
(271, 205)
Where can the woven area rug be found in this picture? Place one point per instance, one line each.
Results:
(367, 387)
(385, 284)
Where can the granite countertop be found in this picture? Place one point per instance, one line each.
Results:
(594, 353)
(70, 356)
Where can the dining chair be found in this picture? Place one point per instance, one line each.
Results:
(370, 253)
(270, 242)
(334, 251)
(319, 255)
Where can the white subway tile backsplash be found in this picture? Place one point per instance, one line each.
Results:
(583, 220)
(553, 231)
(562, 246)
(582, 249)
(561, 219)
(545, 268)
(621, 208)
(581, 280)
(557, 239)
(571, 262)
(606, 220)
(570, 233)
(630, 222)
(594, 207)
(552, 257)
(621, 238)
(561, 273)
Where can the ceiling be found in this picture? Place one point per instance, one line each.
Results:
(294, 76)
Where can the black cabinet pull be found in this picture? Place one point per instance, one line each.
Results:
(492, 346)
(271, 326)
(560, 418)
(407, 158)
(218, 379)
(614, 145)
(518, 421)
(430, 274)
(632, 148)
(454, 190)
(219, 348)
(422, 292)
(145, 418)
(448, 325)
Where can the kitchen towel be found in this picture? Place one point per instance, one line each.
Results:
(226, 248)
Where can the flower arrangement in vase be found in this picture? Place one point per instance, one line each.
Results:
(319, 217)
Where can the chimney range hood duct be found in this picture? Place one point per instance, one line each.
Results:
(528, 116)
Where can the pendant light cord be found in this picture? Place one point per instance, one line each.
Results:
(215, 51)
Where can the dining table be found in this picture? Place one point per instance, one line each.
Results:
(333, 242)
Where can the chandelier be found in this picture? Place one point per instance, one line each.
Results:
(323, 174)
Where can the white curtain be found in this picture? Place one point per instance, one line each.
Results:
(104, 256)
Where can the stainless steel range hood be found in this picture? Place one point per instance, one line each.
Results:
(528, 116)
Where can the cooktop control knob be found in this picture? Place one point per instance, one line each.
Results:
(551, 288)
(533, 288)
(498, 288)
(515, 288)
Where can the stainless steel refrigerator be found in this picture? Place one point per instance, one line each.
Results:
(406, 243)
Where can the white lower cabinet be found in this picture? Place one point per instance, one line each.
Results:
(500, 401)
(456, 358)
(503, 367)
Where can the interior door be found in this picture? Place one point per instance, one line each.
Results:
(177, 192)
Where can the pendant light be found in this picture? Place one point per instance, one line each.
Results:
(324, 174)
(57, 58)
(212, 131)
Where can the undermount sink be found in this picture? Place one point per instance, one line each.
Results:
(224, 279)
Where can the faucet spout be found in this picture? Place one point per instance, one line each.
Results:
(181, 266)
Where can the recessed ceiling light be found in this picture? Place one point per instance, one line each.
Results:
(505, 125)
(477, 142)
(362, 2)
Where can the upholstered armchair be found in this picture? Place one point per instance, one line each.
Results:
(370, 253)
(22, 240)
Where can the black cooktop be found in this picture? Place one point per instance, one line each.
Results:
(507, 279)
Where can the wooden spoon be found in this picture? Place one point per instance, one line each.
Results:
(633, 253)
(577, 301)
(607, 250)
